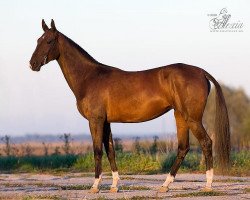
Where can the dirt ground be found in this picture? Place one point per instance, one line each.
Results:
(75, 186)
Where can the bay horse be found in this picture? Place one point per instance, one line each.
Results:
(106, 94)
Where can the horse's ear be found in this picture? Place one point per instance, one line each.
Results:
(45, 27)
(53, 27)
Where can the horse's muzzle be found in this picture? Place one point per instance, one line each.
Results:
(34, 66)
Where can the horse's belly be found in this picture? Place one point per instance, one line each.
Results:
(136, 110)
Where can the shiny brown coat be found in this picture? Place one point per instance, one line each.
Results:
(107, 94)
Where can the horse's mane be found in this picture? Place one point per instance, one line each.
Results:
(80, 49)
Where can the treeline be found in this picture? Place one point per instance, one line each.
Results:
(63, 146)
(66, 145)
(238, 104)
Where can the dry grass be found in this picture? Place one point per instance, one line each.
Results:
(199, 194)
(38, 148)
(247, 190)
(78, 147)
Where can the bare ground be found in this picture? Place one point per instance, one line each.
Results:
(75, 186)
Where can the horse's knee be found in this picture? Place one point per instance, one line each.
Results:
(98, 153)
(111, 154)
(182, 152)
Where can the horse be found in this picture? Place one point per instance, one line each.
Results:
(106, 94)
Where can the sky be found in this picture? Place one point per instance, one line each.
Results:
(131, 35)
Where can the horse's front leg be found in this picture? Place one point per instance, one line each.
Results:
(108, 144)
(96, 126)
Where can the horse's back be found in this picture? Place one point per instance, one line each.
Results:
(144, 95)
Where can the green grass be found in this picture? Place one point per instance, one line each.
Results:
(32, 163)
(131, 198)
(240, 163)
(128, 163)
(124, 187)
(102, 187)
(198, 194)
(247, 190)
(36, 197)
(190, 163)
(140, 198)
(229, 180)
(73, 187)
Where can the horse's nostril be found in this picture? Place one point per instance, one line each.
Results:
(33, 64)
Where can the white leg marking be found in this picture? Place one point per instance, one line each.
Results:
(97, 182)
(169, 179)
(116, 178)
(209, 176)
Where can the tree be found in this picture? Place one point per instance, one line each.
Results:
(45, 148)
(6, 140)
(245, 132)
(66, 137)
(137, 145)
(238, 104)
(118, 145)
(28, 150)
(56, 151)
(154, 147)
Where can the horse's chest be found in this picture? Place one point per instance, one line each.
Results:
(91, 108)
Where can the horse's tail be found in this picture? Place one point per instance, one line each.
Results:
(222, 129)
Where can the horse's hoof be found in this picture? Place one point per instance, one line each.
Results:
(207, 189)
(163, 189)
(114, 190)
(94, 190)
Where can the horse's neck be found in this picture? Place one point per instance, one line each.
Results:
(76, 65)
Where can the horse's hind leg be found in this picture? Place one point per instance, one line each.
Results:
(206, 145)
(183, 148)
(108, 144)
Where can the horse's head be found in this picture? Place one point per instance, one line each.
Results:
(47, 47)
